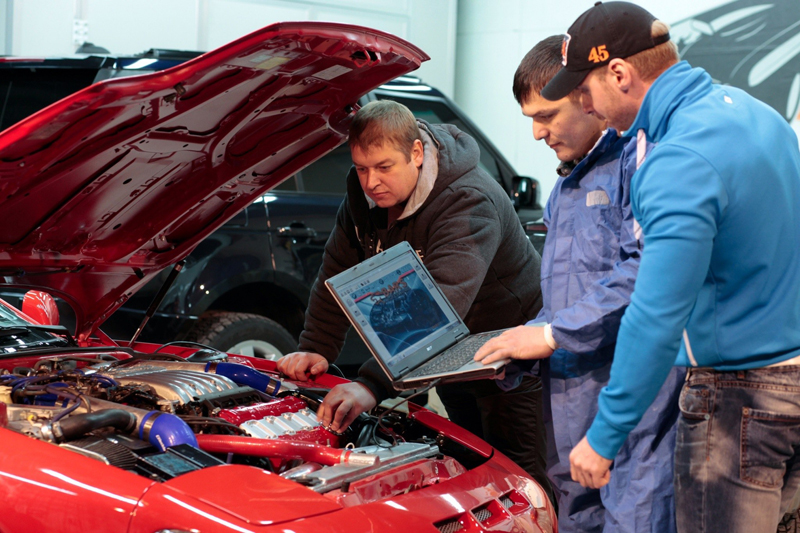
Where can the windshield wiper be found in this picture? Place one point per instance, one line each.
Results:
(6, 331)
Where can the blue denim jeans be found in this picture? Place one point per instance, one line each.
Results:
(737, 455)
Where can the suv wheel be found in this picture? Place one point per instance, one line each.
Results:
(243, 334)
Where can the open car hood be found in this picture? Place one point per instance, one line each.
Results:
(105, 188)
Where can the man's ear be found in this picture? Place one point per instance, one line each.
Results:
(417, 153)
(621, 74)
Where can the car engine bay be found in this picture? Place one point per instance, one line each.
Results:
(160, 416)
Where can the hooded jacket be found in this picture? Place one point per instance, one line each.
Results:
(462, 224)
(718, 203)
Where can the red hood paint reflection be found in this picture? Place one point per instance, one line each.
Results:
(105, 188)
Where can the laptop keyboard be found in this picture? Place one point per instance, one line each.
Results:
(455, 357)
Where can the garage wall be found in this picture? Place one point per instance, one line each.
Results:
(49, 27)
(493, 37)
(5, 37)
(475, 45)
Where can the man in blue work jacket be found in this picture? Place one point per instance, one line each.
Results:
(718, 203)
(589, 263)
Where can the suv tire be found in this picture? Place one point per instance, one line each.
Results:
(243, 334)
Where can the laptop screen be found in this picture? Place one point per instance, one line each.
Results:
(398, 309)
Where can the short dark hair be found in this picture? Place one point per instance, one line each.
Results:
(384, 121)
(537, 68)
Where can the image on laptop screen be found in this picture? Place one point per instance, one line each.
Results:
(398, 308)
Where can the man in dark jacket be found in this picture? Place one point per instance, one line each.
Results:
(420, 183)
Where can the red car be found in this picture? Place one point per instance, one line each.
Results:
(104, 189)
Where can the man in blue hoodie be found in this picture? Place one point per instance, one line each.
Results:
(589, 265)
(718, 203)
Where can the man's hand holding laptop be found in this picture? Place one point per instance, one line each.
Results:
(521, 342)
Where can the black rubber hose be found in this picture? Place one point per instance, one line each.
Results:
(78, 425)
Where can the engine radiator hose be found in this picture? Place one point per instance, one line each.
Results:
(77, 426)
(244, 375)
(283, 449)
(162, 430)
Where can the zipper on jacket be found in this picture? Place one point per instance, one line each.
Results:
(689, 353)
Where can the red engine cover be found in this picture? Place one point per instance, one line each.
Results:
(318, 435)
(239, 415)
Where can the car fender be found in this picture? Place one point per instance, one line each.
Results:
(66, 491)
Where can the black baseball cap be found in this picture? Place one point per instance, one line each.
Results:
(604, 32)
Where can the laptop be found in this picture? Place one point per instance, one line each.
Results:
(407, 322)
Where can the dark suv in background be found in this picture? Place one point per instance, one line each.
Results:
(245, 288)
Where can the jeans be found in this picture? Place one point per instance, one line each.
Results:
(737, 456)
(511, 422)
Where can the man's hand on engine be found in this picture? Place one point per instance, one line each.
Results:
(343, 404)
(302, 366)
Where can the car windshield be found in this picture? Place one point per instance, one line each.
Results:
(17, 335)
